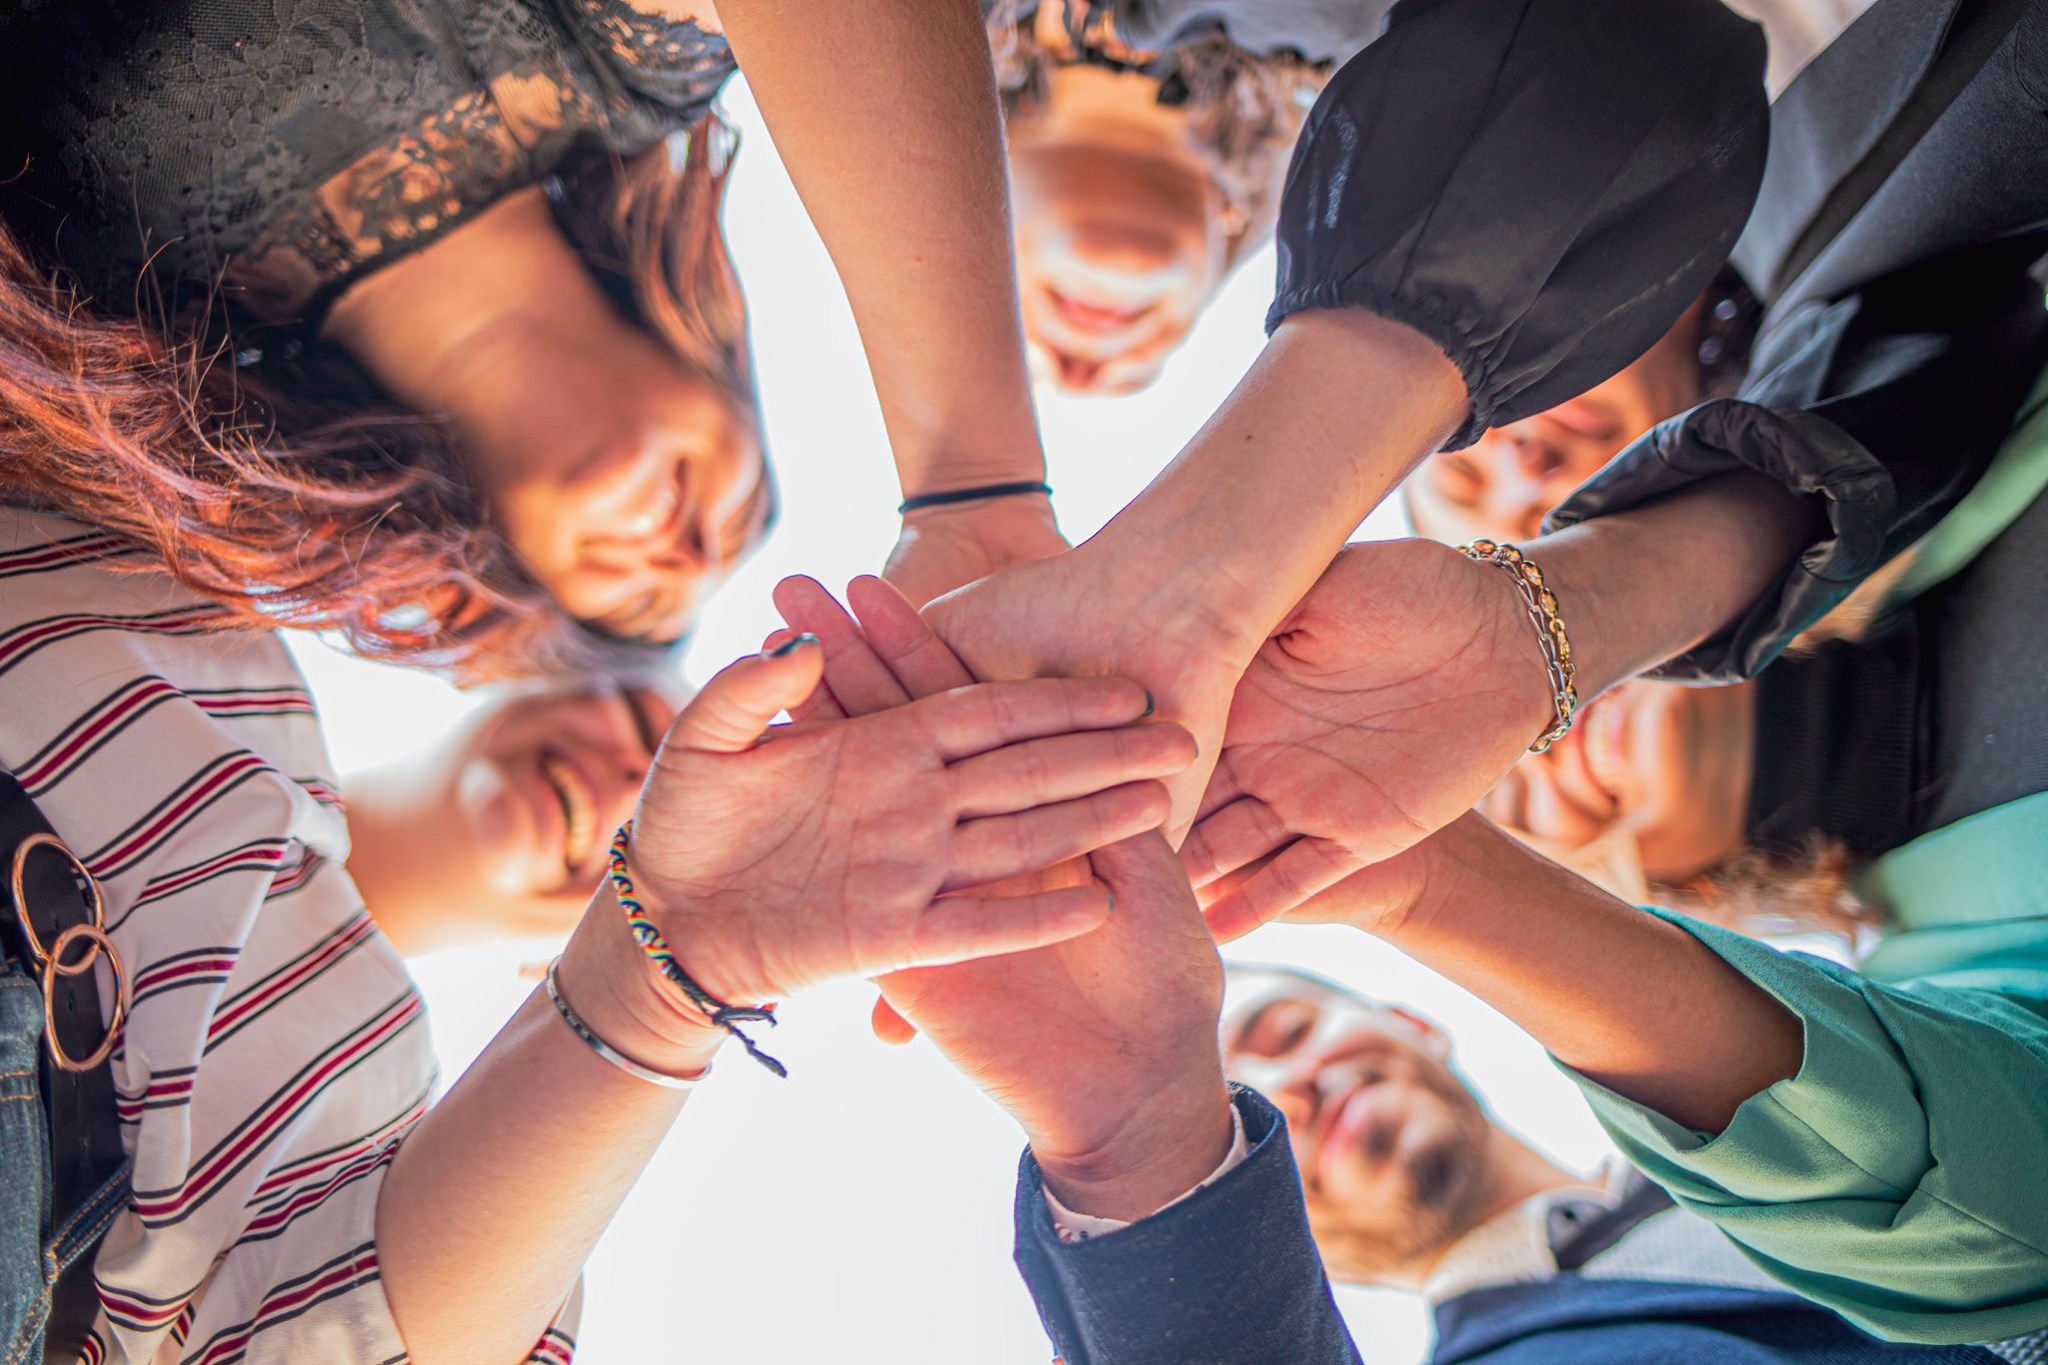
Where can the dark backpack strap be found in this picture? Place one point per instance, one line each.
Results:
(85, 1133)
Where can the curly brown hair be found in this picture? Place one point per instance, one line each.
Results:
(1244, 110)
(295, 494)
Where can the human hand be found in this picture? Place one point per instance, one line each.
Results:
(1090, 612)
(943, 547)
(773, 859)
(1405, 684)
(1104, 1047)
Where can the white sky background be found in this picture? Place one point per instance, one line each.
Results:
(860, 1211)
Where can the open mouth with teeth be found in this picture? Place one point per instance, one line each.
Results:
(579, 811)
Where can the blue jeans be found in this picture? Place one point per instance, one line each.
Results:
(32, 1253)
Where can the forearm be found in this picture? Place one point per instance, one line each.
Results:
(1626, 998)
(498, 1195)
(1644, 585)
(1337, 409)
(885, 114)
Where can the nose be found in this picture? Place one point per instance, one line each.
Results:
(1519, 464)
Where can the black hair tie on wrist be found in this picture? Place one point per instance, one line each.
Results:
(987, 490)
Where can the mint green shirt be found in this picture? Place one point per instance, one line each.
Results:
(1901, 1176)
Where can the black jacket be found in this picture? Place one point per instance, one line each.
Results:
(1897, 242)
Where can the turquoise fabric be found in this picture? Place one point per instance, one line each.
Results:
(1901, 1176)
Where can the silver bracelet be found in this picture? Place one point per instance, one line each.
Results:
(612, 1054)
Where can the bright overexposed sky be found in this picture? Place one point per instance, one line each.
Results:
(860, 1211)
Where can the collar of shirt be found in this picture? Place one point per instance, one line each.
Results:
(1514, 1246)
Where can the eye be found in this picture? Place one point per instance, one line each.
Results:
(1277, 1029)
(1458, 477)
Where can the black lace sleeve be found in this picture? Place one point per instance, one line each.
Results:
(266, 155)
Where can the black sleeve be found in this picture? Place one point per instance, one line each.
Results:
(1539, 186)
(1888, 405)
(1229, 1276)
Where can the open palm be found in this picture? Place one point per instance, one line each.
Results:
(1401, 688)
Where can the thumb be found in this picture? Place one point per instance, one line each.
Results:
(734, 708)
(1143, 874)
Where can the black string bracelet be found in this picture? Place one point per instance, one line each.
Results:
(987, 490)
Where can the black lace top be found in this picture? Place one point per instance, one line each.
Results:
(284, 149)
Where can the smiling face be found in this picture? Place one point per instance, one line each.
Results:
(627, 487)
(1502, 486)
(1662, 767)
(1120, 243)
(502, 828)
(1393, 1148)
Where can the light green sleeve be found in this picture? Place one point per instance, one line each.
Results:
(1901, 1177)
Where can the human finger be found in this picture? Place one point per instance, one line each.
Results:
(821, 705)
(735, 707)
(963, 928)
(973, 720)
(998, 846)
(1295, 876)
(860, 680)
(1241, 832)
(921, 662)
(1041, 771)
(889, 1026)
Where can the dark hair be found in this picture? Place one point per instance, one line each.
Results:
(296, 493)
(1244, 111)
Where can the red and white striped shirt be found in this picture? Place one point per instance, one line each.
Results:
(275, 1052)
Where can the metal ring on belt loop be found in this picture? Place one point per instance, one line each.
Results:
(17, 875)
(98, 942)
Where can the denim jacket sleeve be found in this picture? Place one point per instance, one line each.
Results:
(1228, 1276)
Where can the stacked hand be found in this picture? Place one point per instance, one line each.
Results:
(1104, 1045)
(1074, 615)
(1401, 688)
(777, 858)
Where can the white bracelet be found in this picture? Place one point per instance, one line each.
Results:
(612, 1054)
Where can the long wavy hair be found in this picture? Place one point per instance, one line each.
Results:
(295, 494)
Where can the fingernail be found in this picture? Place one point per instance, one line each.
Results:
(789, 646)
(1150, 706)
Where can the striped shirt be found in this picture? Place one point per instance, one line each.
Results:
(276, 1052)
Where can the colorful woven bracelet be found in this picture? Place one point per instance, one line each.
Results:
(727, 1017)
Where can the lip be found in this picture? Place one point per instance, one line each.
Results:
(576, 802)
(1349, 1122)
(1098, 319)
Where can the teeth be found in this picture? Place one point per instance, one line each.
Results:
(579, 809)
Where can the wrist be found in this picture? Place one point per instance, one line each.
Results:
(1472, 867)
(613, 987)
(955, 471)
(1154, 1152)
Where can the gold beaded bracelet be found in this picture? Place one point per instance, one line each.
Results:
(1556, 645)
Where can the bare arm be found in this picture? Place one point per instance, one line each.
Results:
(1630, 1000)
(540, 1136)
(885, 113)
